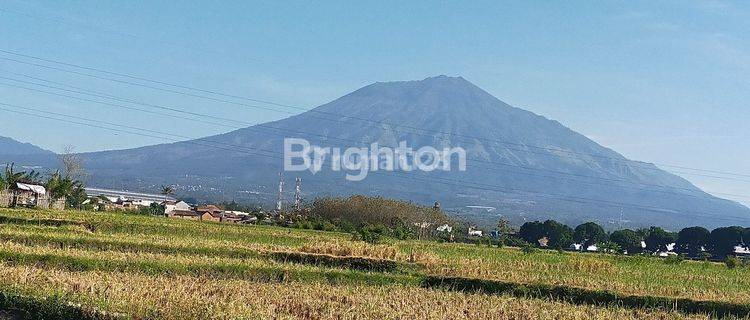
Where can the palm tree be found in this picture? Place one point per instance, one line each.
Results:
(167, 191)
(59, 186)
(10, 177)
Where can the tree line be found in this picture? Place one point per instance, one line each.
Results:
(694, 242)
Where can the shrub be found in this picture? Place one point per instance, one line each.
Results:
(370, 233)
(676, 259)
(515, 242)
(327, 226)
(528, 248)
(363, 210)
(732, 262)
(501, 242)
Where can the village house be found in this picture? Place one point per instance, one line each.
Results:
(210, 213)
(125, 200)
(475, 233)
(543, 242)
(119, 204)
(668, 252)
(191, 214)
(444, 228)
(29, 195)
(229, 216)
(170, 206)
(184, 214)
(579, 247)
(741, 251)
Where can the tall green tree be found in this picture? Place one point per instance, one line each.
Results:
(10, 176)
(589, 234)
(658, 239)
(59, 186)
(531, 232)
(560, 236)
(691, 241)
(77, 196)
(723, 240)
(628, 240)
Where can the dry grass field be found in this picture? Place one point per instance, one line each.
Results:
(112, 265)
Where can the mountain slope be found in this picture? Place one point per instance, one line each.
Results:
(523, 165)
(9, 146)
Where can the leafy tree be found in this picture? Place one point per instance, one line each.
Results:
(78, 196)
(59, 187)
(723, 240)
(560, 236)
(589, 234)
(692, 241)
(154, 209)
(628, 240)
(371, 233)
(531, 232)
(10, 176)
(658, 239)
(402, 231)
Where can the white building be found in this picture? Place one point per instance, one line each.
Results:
(579, 247)
(239, 213)
(741, 251)
(170, 206)
(475, 233)
(444, 228)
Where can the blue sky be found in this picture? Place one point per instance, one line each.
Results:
(659, 81)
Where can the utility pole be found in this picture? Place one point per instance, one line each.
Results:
(298, 194)
(281, 193)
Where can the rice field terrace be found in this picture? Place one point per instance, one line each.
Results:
(70, 264)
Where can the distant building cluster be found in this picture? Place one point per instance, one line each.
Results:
(183, 210)
(110, 200)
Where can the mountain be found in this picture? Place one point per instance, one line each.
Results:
(521, 166)
(9, 146)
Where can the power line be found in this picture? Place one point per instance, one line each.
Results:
(214, 92)
(453, 182)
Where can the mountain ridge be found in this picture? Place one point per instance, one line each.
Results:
(10, 146)
(523, 156)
